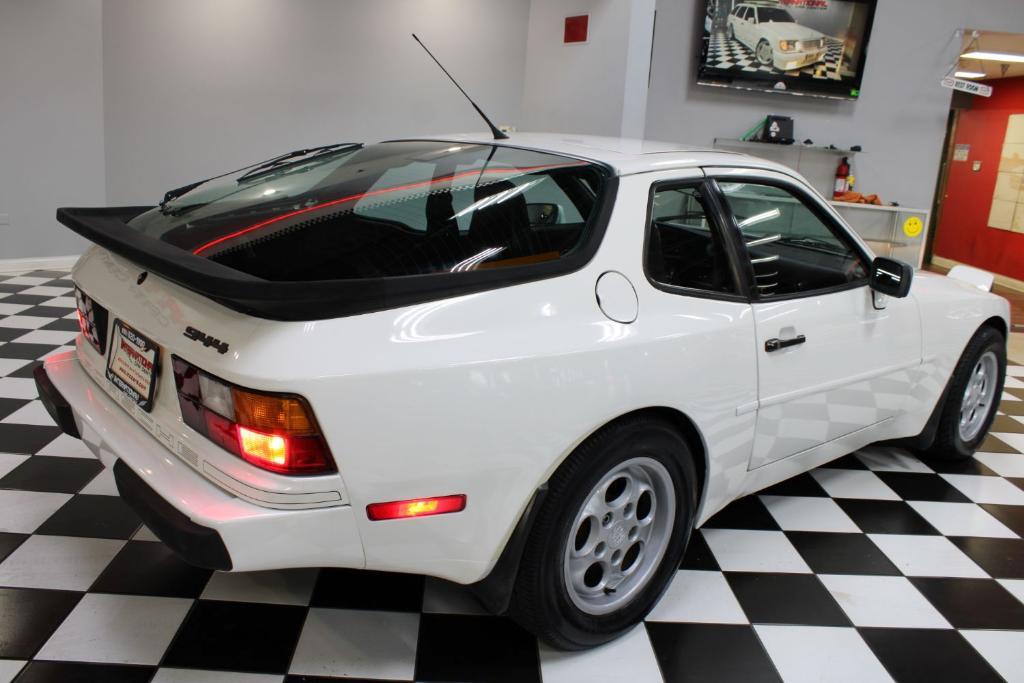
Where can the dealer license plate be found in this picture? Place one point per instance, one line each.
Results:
(133, 363)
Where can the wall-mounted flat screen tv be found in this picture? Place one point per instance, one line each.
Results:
(804, 47)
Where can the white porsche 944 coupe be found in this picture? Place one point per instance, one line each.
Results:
(530, 365)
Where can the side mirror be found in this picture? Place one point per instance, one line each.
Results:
(891, 277)
(543, 214)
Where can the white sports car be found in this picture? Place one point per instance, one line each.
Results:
(775, 37)
(532, 365)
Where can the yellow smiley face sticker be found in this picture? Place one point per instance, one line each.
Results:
(913, 226)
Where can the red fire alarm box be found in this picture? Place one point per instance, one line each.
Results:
(576, 28)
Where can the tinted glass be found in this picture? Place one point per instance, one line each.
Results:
(385, 210)
(683, 247)
(765, 14)
(791, 248)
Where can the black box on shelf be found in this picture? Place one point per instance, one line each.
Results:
(777, 129)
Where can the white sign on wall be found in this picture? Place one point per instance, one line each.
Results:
(967, 86)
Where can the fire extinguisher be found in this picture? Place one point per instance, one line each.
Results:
(842, 173)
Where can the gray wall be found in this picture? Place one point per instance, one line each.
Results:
(900, 118)
(575, 88)
(595, 88)
(51, 121)
(115, 101)
(197, 87)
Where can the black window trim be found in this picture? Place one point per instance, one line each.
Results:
(812, 203)
(740, 279)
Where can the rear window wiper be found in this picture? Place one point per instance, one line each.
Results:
(297, 156)
(263, 166)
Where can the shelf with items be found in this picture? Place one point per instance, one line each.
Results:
(816, 163)
(756, 144)
(893, 231)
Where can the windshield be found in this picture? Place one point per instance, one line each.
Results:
(765, 14)
(386, 210)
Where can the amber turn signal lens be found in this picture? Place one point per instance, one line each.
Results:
(268, 413)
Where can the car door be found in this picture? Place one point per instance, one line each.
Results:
(698, 317)
(833, 358)
(750, 36)
(743, 24)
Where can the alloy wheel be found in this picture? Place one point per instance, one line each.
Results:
(619, 535)
(979, 396)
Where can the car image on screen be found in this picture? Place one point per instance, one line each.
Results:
(775, 37)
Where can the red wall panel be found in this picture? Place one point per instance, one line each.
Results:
(963, 233)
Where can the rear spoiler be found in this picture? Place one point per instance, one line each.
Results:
(313, 299)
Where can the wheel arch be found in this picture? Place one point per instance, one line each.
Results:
(682, 423)
(998, 323)
(495, 590)
(926, 437)
(688, 430)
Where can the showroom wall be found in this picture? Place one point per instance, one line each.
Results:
(51, 121)
(115, 101)
(194, 87)
(963, 232)
(899, 120)
(598, 87)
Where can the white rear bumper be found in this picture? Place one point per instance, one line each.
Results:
(255, 537)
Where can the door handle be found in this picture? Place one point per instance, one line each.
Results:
(776, 344)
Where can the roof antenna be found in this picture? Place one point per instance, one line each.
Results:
(498, 135)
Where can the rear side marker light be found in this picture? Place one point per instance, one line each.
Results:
(417, 507)
(275, 432)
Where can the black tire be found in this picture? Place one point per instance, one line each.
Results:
(757, 55)
(541, 602)
(948, 444)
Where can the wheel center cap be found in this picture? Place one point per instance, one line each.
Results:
(618, 535)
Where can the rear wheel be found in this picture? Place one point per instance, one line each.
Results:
(609, 536)
(974, 392)
(732, 32)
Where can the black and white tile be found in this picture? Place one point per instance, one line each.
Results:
(875, 567)
(725, 53)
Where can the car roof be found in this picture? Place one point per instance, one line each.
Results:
(625, 156)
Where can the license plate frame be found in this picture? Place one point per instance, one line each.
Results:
(133, 364)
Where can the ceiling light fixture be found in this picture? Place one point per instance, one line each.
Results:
(1006, 57)
(970, 74)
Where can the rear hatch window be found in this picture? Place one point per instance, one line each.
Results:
(388, 210)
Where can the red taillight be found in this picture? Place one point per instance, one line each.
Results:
(263, 449)
(92, 321)
(276, 432)
(418, 507)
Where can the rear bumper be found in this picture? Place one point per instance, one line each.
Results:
(206, 525)
(198, 545)
(55, 405)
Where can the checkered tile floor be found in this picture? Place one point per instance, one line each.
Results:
(875, 567)
(725, 53)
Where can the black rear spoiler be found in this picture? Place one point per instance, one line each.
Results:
(313, 299)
